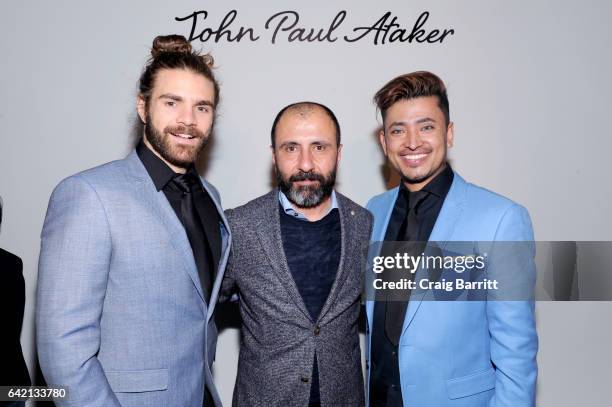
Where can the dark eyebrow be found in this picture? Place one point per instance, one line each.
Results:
(204, 103)
(424, 120)
(314, 143)
(180, 99)
(419, 121)
(320, 143)
(171, 96)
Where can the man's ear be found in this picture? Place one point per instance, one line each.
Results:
(141, 108)
(339, 154)
(273, 154)
(450, 135)
(383, 142)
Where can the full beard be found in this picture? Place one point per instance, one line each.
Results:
(180, 156)
(306, 196)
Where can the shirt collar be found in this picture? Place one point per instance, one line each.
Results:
(158, 170)
(289, 210)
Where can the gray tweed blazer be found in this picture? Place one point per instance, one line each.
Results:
(279, 338)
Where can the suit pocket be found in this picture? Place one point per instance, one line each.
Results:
(471, 384)
(138, 381)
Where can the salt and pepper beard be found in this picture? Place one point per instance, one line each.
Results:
(160, 142)
(306, 196)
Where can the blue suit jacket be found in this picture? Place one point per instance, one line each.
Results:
(121, 318)
(466, 353)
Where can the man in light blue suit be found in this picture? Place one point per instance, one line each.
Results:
(444, 353)
(133, 254)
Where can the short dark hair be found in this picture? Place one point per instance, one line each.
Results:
(175, 52)
(411, 86)
(304, 108)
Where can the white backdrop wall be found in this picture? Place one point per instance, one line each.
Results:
(528, 85)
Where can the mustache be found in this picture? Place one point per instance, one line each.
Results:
(192, 131)
(307, 176)
(420, 150)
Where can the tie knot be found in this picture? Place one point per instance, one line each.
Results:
(415, 199)
(185, 182)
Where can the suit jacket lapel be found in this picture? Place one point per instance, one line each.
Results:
(225, 241)
(158, 202)
(269, 232)
(346, 238)
(442, 233)
(379, 235)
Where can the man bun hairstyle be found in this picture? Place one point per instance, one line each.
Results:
(170, 43)
(175, 52)
(411, 86)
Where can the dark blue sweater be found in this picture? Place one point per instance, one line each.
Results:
(312, 250)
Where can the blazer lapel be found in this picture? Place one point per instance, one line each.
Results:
(379, 235)
(442, 233)
(158, 202)
(346, 238)
(269, 232)
(225, 239)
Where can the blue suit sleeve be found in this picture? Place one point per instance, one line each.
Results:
(514, 341)
(72, 277)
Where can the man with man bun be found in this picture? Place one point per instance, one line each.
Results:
(133, 253)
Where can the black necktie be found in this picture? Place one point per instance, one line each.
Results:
(409, 232)
(188, 183)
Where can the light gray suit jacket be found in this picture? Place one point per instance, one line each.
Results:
(120, 316)
(279, 339)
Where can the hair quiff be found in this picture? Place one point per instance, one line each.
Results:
(411, 86)
(175, 52)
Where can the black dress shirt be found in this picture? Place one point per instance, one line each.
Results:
(385, 387)
(162, 176)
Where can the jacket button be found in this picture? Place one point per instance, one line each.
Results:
(317, 330)
(305, 379)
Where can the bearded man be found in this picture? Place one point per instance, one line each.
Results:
(296, 269)
(133, 254)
